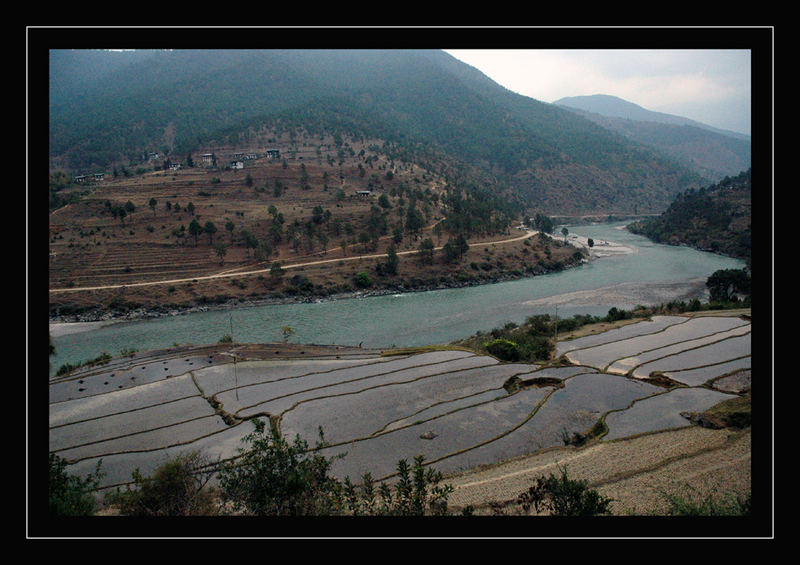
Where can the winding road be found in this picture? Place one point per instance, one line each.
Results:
(228, 274)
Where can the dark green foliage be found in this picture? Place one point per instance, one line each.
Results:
(562, 496)
(101, 359)
(414, 220)
(504, 349)
(195, 229)
(512, 384)
(728, 285)
(176, 488)
(362, 280)
(542, 223)
(455, 249)
(614, 314)
(416, 492)
(715, 218)
(388, 267)
(276, 478)
(425, 251)
(69, 495)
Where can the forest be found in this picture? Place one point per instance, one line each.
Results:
(714, 218)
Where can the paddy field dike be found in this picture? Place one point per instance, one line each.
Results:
(633, 410)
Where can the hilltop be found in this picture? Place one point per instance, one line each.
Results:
(430, 108)
(710, 152)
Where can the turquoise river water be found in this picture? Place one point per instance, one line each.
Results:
(648, 274)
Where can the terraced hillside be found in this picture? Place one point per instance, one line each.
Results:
(456, 408)
(211, 233)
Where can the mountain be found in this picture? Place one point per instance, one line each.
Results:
(615, 107)
(716, 218)
(711, 152)
(111, 108)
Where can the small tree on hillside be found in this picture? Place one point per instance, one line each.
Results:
(220, 250)
(195, 229)
(210, 229)
(425, 251)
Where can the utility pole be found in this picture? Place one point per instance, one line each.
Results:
(555, 329)
(235, 373)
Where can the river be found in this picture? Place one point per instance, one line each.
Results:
(643, 273)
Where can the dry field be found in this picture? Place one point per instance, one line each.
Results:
(140, 260)
(637, 473)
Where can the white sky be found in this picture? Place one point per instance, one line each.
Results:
(711, 86)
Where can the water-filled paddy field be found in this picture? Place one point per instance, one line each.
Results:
(449, 406)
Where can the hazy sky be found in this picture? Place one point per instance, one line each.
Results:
(711, 86)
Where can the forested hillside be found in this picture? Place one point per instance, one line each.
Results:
(715, 218)
(710, 152)
(425, 105)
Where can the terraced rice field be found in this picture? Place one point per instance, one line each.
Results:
(450, 406)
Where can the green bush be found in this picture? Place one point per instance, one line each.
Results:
(504, 349)
(276, 478)
(69, 495)
(535, 347)
(416, 493)
(176, 488)
(362, 280)
(562, 496)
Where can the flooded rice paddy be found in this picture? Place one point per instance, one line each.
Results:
(449, 406)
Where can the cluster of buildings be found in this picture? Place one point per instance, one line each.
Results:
(240, 158)
(84, 178)
(205, 159)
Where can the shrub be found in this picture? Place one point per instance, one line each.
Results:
(503, 349)
(276, 478)
(534, 347)
(69, 495)
(416, 493)
(562, 496)
(176, 488)
(362, 280)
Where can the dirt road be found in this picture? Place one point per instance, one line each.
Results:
(229, 274)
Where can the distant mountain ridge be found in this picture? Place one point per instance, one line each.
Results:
(424, 104)
(615, 107)
(711, 152)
